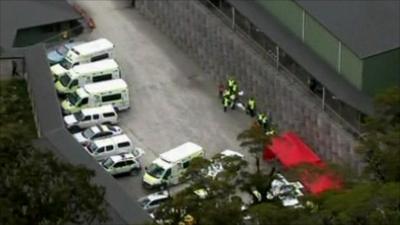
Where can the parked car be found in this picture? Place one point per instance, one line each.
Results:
(114, 145)
(57, 55)
(97, 132)
(153, 201)
(91, 116)
(122, 163)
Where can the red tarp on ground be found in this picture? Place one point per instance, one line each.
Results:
(321, 182)
(291, 151)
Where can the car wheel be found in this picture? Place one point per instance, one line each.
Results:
(74, 129)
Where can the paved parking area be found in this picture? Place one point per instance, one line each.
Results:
(172, 101)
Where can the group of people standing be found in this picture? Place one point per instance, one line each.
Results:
(229, 96)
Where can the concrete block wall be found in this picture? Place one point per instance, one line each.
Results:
(221, 52)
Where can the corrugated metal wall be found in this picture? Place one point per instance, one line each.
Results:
(314, 35)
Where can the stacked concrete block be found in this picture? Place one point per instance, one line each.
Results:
(221, 52)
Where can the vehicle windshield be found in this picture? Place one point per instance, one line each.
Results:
(65, 79)
(155, 171)
(92, 147)
(144, 202)
(66, 64)
(88, 133)
(62, 50)
(108, 163)
(78, 115)
(74, 98)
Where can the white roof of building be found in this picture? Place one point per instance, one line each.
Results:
(106, 86)
(181, 152)
(94, 67)
(93, 46)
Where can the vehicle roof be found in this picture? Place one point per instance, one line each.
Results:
(120, 157)
(94, 46)
(94, 67)
(99, 128)
(106, 86)
(181, 152)
(112, 139)
(163, 164)
(100, 109)
(157, 195)
(228, 152)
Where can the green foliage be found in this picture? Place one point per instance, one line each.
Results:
(35, 187)
(364, 204)
(255, 140)
(380, 142)
(15, 111)
(219, 206)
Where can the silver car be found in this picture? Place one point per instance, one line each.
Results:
(97, 132)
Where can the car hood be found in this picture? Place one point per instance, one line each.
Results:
(57, 70)
(70, 120)
(54, 56)
(80, 138)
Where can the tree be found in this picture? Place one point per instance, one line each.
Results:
(219, 205)
(255, 140)
(379, 144)
(35, 187)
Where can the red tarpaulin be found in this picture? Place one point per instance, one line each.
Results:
(291, 151)
(318, 183)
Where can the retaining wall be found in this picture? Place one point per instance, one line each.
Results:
(220, 51)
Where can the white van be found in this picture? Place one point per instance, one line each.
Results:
(103, 148)
(168, 168)
(112, 92)
(88, 73)
(84, 53)
(91, 116)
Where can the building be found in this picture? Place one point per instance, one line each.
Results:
(354, 41)
(25, 23)
(301, 60)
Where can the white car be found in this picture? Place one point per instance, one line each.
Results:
(153, 201)
(91, 116)
(122, 163)
(97, 132)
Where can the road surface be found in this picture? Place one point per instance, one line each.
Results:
(172, 100)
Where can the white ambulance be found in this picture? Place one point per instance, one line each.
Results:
(168, 168)
(112, 92)
(84, 53)
(88, 73)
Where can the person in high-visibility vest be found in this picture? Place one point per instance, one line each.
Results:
(232, 99)
(235, 87)
(262, 120)
(225, 102)
(231, 82)
(251, 107)
(225, 94)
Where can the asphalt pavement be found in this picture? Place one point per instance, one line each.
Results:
(172, 99)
